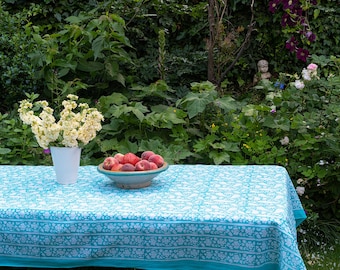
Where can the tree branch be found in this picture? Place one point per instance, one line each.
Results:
(242, 47)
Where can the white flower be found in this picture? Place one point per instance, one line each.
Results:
(300, 190)
(322, 162)
(284, 141)
(71, 129)
(306, 74)
(299, 84)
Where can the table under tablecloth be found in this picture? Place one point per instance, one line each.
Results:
(191, 217)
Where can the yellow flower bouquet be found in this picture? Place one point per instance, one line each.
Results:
(78, 124)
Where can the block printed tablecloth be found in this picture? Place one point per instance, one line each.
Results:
(191, 217)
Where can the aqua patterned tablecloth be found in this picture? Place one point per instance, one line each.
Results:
(191, 217)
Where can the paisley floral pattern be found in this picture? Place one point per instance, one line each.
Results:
(191, 217)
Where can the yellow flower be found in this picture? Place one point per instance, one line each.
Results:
(73, 128)
(246, 146)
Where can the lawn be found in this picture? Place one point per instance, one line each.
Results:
(326, 258)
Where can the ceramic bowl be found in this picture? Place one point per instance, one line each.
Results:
(134, 179)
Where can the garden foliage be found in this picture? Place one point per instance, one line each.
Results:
(143, 64)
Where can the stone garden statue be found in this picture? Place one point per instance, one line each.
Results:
(263, 73)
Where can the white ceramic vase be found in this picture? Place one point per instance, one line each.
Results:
(66, 161)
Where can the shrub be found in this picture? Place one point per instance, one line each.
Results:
(15, 68)
(90, 50)
(309, 118)
(295, 128)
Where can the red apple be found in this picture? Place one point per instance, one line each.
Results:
(143, 165)
(116, 167)
(119, 157)
(109, 162)
(130, 158)
(128, 167)
(147, 154)
(157, 159)
(153, 166)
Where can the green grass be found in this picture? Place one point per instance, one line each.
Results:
(327, 257)
(319, 243)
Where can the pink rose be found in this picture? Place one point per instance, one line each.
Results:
(312, 66)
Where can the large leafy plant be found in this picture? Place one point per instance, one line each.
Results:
(90, 48)
(134, 126)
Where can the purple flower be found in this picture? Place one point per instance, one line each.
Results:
(296, 11)
(303, 22)
(310, 36)
(273, 5)
(289, 4)
(282, 86)
(47, 151)
(302, 54)
(287, 20)
(291, 44)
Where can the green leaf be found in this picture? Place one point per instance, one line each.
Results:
(158, 89)
(38, 39)
(97, 46)
(77, 19)
(249, 110)
(151, 144)
(138, 109)
(126, 146)
(227, 103)
(120, 78)
(165, 117)
(231, 147)
(118, 19)
(196, 103)
(4, 151)
(202, 86)
(203, 144)
(111, 68)
(283, 124)
(219, 157)
(108, 145)
(65, 64)
(89, 66)
(106, 102)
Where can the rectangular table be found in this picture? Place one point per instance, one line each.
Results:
(191, 217)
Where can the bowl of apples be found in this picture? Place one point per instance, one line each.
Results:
(130, 171)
